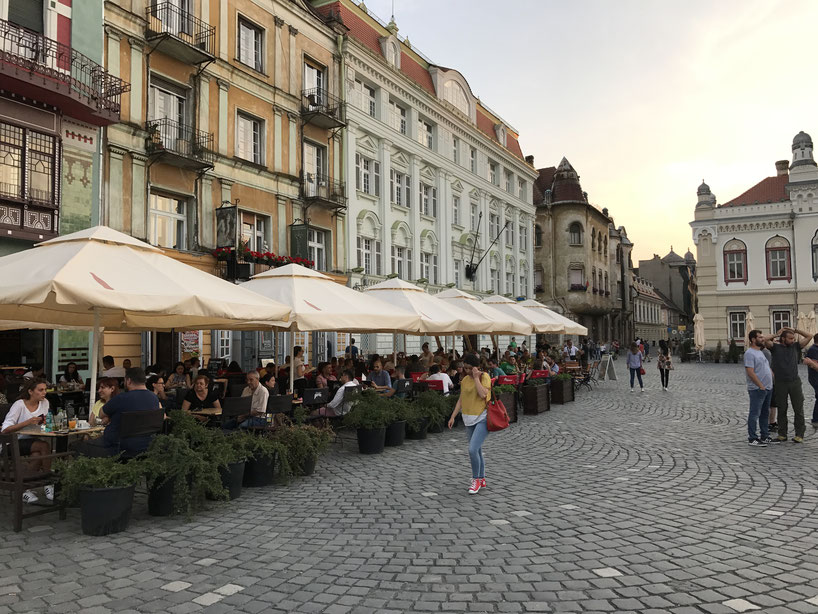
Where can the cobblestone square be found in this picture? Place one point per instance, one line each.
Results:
(617, 502)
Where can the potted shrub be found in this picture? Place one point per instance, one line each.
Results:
(717, 355)
(396, 431)
(562, 388)
(104, 488)
(434, 407)
(507, 395)
(177, 476)
(732, 352)
(535, 397)
(370, 416)
(303, 445)
(266, 459)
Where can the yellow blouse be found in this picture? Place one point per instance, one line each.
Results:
(470, 402)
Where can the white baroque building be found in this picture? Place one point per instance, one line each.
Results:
(431, 171)
(758, 253)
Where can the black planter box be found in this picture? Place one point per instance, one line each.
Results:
(535, 400)
(562, 391)
(105, 510)
(509, 400)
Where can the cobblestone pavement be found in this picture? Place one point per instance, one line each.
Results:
(618, 502)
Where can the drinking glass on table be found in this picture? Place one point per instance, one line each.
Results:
(72, 423)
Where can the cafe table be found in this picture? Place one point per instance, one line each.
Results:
(59, 439)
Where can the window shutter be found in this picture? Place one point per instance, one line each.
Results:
(434, 202)
(391, 185)
(27, 13)
(360, 253)
(434, 269)
(376, 168)
(408, 191)
(358, 186)
(378, 270)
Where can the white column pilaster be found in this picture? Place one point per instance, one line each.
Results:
(224, 110)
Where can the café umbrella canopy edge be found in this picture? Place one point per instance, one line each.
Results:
(99, 279)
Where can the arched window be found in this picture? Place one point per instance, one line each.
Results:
(454, 94)
(605, 250)
(815, 256)
(618, 254)
(735, 262)
(607, 287)
(601, 287)
(575, 234)
(593, 239)
(537, 235)
(778, 259)
(593, 279)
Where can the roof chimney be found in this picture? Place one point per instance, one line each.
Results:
(530, 160)
(782, 167)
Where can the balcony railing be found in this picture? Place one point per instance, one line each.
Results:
(184, 145)
(187, 37)
(48, 71)
(322, 109)
(322, 190)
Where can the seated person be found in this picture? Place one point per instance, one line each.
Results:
(200, 396)
(494, 370)
(268, 380)
(436, 374)
(36, 371)
(324, 376)
(552, 366)
(29, 411)
(400, 375)
(509, 365)
(178, 379)
(156, 384)
(258, 405)
(137, 398)
(379, 377)
(126, 364)
(337, 407)
(71, 377)
(107, 388)
(110, 369)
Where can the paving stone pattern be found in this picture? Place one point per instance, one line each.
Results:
(618, 502)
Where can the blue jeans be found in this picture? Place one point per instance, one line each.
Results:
(253, 421)
(637, 373)
(759, 413)
(477, 435)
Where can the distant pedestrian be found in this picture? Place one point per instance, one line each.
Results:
(475, 391)
(787, 379)
(635, 366)
(811, 360)
(760, 388)
(664, 364)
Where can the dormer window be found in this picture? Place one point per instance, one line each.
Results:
(390, 47)
(453, 94)
(500, 131)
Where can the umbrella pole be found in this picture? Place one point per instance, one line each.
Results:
(395, 349)
(94, 358)
(292, 363)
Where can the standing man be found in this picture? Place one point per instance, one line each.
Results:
(351, 351)
(760, 389)
(811, 360)
(787, 380)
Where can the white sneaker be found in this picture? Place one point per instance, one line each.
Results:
(30, 497)
(641, 390)
(631, 389)
(49, 492)
(476, 485)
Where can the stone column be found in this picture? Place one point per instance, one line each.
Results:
(222, 29)
(115, 217)
(207, 221)
(294, 66)
(278, 49)
(385, 206)
(224, 110)
(138, 197)
(277, 141)
(113, 52)
(204, 103)
(414, 217)
(136, 81)
(352, 210)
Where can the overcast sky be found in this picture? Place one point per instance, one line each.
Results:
(644, 97)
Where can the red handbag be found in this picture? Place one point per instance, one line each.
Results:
(641, 370)
(496, 416)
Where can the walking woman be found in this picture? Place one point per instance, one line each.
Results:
(635, 365)
(475, 391)
(665, 365)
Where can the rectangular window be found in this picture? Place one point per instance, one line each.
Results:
(509, 235)
(509, 282)
(737, 325)
(537, 280)
(495, 280)
(521, 188)
(369, 100)
(398, 117)
(428, 267)
(781, 319)
(428, 200)
(523, 238)
(735, 266)
(317, 246)
(456, 210)
(523, 285)
(167, 222)
(456, 150)
(250, 44)
(249, 137)
(473, 160)
(223, 347)
(399, 188)
(402, 262)
(492, 172)
(367, 175)
(509, 182)
(369, 255)
(315, 82)
(457, 266)
(576, 279)
(474, 218)
(494, 225)
(779, 260)
(424, 133)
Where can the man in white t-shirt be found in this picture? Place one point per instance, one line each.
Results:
(258, 404)
(570, 350)
(436, 374)
(110, 369)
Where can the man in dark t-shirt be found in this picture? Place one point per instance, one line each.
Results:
(137, 398)
(787, 381)
(811, 360)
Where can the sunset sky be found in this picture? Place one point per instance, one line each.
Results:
(645, 98)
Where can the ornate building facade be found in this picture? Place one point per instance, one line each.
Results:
(757, 254)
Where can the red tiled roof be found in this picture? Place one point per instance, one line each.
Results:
(769, 190)
(513, 145)
(546, 178)
(566, 190)
(416, 72)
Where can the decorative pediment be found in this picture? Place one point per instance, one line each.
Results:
(369, 225)
(494, 205)
(474, 194)
(428, 239)
(367, 143)
(400, 160)
(467, 238)
(428, 174)
(401, 234)
(457, 186)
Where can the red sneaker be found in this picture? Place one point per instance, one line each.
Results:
(476, 485)
(482, 482)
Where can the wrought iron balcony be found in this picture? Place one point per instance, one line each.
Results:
(180, 34)
(321, 190)
(179, 144)
(322, 109)
(41, 69)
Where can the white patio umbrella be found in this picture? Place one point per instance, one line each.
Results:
(540, 322)
(749, 324)
(319, 303)
(504, 324)
(571, 327)
(436, 316)
(698, 332)
(811, 321)
(802, 322)
(99, 278)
